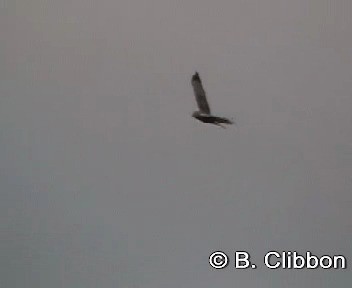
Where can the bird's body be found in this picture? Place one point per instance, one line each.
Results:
(206, 118)
(204, 115)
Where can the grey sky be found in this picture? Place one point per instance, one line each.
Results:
(107, 181)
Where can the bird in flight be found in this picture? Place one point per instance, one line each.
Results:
(204, 114)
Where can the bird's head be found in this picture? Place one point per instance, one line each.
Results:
(195, 76)
(196, 114)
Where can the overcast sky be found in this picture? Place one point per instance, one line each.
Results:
(107, 181)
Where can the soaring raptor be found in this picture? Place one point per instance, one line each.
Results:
(204, 114)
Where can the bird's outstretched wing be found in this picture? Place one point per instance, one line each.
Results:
(200, 94)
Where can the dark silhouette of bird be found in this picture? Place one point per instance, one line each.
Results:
(204, 115)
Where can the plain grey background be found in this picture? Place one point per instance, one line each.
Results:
(107, 181)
